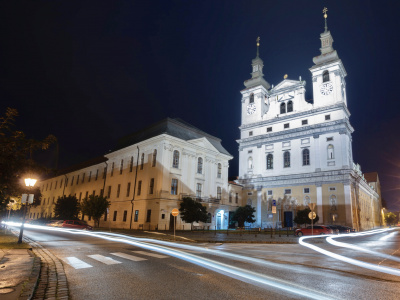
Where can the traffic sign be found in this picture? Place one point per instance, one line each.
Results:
(311, 206)
(273, 202)
(274, 209)
(312, 215)
(175, 212)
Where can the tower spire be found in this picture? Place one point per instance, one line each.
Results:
(325, 17)
(258, 45)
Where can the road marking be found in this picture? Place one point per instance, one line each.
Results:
(150, 254)
(128, 256)
(76, 263)
(104, 259)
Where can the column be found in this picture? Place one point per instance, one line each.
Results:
(319, 203)
(258, 212)
(348, 206)
(317, 153)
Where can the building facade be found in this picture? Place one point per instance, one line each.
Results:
(294, 152)
(148, 174)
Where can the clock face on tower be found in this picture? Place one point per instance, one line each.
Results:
(255, 68)
(326, 88)
(251, 109)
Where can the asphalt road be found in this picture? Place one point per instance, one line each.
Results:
(127, 268)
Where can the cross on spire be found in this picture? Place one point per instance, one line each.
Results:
(325, 17)
(258, 44)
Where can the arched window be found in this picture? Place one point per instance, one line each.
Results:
(306, 157)
(153, 164)
(219, 193)
(142, 161)
(283, 108)
(331, 152)
(250, 163)
(175, 159)
(199, 165)
(290, 106)
(219, 171)
(251, 98)
(270, 162)
(325, 76)
(286, 159)
(333, 202)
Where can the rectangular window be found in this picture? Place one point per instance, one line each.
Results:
(94, 193)
(109, 192)
(115, 216)
(128, 189)
(198, 190)
(286, 125)
(101, 192)
(327, 117)
(306, 190)
(230, 197)
(51, 185)
(288, 191)
(90, 218)
(112, 169)
(219, 193)
(90, 176)
(269, 129)
(77, 180)
(80, 196)
(329, 139)
(236, 198)
(47, 185)
(125, 215)
(270, 193)
(249, 193)
(304, 122)
(148, 217)
(105, 216)
(174, 187)
(162, 216)
(250, 151)
(250, 133)
(139, 188)
(151, 190)
(97, 174)
(105, 173)
(72, 181)
(136, 216)
(87, 194)
(121, 167)
(118, 190)
(55, 185)
(83, 177)
(131, 164)
(332, 189)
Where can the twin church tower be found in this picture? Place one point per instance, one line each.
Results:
(293, 152)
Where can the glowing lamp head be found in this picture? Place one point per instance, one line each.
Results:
(30, 182)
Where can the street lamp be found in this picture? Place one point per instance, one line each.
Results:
(29, 182)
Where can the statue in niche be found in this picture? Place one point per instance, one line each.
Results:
(333, 203)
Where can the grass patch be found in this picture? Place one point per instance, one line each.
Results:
(9, 241)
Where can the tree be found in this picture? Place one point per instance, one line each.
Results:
(192, 211)
(244, 214)
(390, 218)
(16, 158)
(302, 217)
(67, 208)
(95, 207)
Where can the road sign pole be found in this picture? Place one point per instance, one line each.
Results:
(174, 226)
(175, 213)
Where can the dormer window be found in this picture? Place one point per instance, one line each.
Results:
(290, 106)
(251, 98)
(283, 108)
(325, 76)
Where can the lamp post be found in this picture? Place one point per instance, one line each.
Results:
(29, 182)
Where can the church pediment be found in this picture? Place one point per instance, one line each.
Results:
(288, 84)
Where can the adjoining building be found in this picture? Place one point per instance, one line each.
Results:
(148, 174)
(294, 152)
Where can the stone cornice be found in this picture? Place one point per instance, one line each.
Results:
(296, 115)
(342, 126)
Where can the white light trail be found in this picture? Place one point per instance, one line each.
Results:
(231, 271)
(387, 270)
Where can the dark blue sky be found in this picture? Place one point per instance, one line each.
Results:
(90, 72)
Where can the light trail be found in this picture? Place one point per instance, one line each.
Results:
(387, 270)
(225, 269)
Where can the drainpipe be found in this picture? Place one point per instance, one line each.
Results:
(105, 178)
(134, 188)
(65, 183)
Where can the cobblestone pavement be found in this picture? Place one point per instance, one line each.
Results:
(52, 281)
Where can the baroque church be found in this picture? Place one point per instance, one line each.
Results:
(293, 153)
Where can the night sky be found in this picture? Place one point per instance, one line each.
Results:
(90, 72)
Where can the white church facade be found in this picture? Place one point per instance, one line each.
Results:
(293, 152)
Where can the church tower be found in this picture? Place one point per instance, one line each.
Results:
(328, 73)
(255, 93)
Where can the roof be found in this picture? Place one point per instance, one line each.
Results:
(173, 127)
(371, 177)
